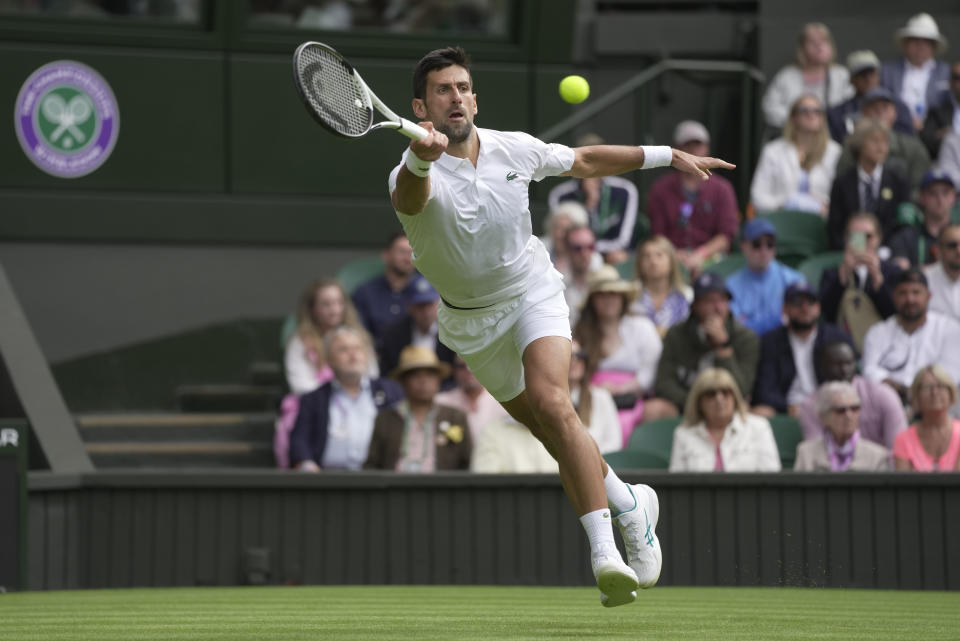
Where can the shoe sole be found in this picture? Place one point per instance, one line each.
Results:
(617, 586)
(653, 504)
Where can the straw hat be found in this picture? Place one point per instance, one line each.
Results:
(922, 26)
(416, 357)
(607, 279)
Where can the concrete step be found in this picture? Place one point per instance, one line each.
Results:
(176, 427)
(229, 398)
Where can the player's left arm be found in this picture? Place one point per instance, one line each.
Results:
(611, 160)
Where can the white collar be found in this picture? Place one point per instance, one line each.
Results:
(873, 178)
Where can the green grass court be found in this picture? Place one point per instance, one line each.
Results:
(476, 613)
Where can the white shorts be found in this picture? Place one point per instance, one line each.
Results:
(491, 340)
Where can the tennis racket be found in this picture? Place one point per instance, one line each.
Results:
(338, 98)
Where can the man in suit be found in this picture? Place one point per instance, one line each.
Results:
(417, 435)
(335, 421)
(418, 327)
(943, 117)
(872, 184)
(918, 78)
(840, 448)
(864, 68)
(788, 373)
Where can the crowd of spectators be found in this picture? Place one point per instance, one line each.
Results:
(864, 360)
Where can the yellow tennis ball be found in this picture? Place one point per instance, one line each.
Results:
(574, 89)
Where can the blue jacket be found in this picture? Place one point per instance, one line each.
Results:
(840, 128)
(758, 298)
(776, 370)
(308, 440)
(892, 72)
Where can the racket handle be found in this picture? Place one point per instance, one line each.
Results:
(412, 130)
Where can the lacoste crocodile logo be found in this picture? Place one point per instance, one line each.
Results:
(511, 175)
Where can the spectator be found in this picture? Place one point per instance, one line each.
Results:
(335, 422)
(380, 301)
(942, 117)
(933, 443)
(566, 216)
(918, 78)
(944, 275)
(581, 246)
(717, 433)
(858, 293)
(622, 349)
(872, 185)
(610, 201)
(757, 288)
(906, 154)
(896, 349)
(840, 448)
(595, 405)
(418, 327)
(323, 306)
(699, 217)
(664, 295)
(417, 435)
(864, 68)
(881, 413)
(814, 73)
(916, 245)
(471, 398)
(710, 337)
(788, 371)
(796, 170)
(508, 447)
(949, 159)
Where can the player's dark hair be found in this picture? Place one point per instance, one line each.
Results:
(392, 238)
(436, 60)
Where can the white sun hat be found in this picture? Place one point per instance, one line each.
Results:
(923, 26)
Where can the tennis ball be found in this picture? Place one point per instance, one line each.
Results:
(574, 89)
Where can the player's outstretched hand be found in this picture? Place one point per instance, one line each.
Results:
(697, 165)
(431, 147)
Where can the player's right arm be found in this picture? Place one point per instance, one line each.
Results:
(413, 191)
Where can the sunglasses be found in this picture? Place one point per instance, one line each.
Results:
(720, 391)
(581, 248)
(805, 111)
(759, 243)
(843, 409)
(581, 354)
(955, 77)
(953, 244)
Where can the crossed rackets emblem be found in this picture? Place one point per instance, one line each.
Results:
(67, 115)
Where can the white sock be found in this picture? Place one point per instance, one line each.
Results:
(598, 525)
(619, 496)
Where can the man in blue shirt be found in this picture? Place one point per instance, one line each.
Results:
(381, 301)
(758, 287)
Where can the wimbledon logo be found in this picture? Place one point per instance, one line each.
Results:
(66, 119)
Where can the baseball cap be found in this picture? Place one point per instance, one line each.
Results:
(757, 227)
(800, 288)
(861, 61)
(877, 93)
(422, 292)
(936, 176)
(689, 131)
(709, 282)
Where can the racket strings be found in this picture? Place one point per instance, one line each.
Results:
(333, 92)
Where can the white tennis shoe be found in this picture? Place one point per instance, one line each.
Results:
(617, 582)
(638, 526)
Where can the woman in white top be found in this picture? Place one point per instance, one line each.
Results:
(595, 405)
(814, 73)
(622, 349)
(717, 433)
(796, 171)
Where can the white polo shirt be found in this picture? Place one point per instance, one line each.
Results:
(889, 352)
(474, 240)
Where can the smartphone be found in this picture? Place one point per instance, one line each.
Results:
(858, 240)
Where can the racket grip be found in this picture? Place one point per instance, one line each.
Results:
(412, 130)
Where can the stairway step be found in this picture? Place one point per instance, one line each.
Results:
(267, 373)
(163, 427)
(229, 398)
(180, 455)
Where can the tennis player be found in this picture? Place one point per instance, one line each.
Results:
(462, 196)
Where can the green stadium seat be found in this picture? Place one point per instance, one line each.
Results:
(799, 235)
(655, 439)
(788, 434)
(358, 271)
(626, 269)
(728, 265)
(813, 267)
(632, 460)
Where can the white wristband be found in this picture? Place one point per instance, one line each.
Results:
(416, 166)
(656, 156)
